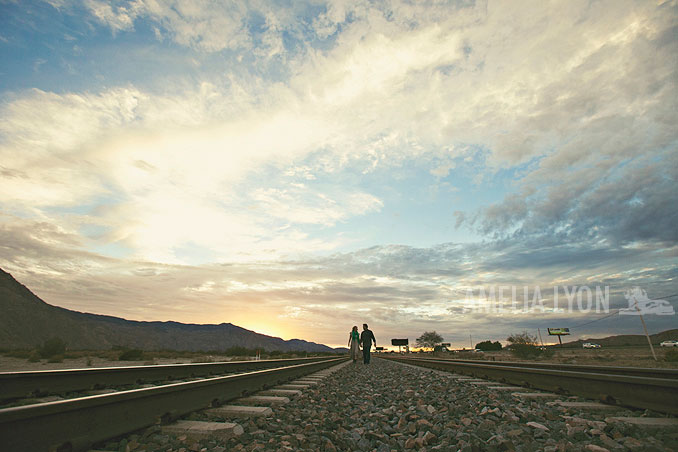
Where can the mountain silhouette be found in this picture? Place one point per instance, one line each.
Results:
(26, 321)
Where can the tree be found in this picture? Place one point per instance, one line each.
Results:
(429, 339)
(488, 346)
(523, 338)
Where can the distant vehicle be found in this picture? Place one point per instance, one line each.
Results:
(669, 344)
(590, 345)
(440, 348)
(477, 350)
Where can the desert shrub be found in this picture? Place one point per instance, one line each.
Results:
(108, 355)
(239, 351)
(525, 351)
(524, 345)
(53, 347)
(547, 352)
(671, 355)
(131, 355)
(56, 359)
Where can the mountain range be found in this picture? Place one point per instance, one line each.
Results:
(26, 321)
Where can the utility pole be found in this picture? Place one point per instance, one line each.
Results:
(470, 336)
(540, 339)
(642, 320)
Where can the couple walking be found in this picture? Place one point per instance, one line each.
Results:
(365, 339)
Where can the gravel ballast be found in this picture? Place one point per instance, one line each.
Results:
(386, 406)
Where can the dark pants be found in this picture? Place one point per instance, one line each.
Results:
(366, 355)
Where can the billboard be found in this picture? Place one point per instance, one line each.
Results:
(400, 342)
(559, 331)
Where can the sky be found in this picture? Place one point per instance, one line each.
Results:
(297, 168)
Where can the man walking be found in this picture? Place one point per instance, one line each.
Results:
(366, 339)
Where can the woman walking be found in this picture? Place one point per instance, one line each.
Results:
(354, 343)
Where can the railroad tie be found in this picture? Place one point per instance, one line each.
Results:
(197, 430)
(239, 411)
(509, 388)
(280, 392)
(304, 382)
(278, 395)
(534, 395)
(298, 387)
(646, 422)
(263, 400)
(584, 405)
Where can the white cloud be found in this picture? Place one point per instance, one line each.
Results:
(118, 18)
(241, 166)
(326, 23)
(297, 205)
(386, 91)
(203, 25)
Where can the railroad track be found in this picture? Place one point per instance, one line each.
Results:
(77, 423)
(654, 389)
(17, 385)
(616, 370)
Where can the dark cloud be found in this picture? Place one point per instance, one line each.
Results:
(604, 138)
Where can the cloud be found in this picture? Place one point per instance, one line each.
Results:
(118, 18)
(596, 123)
(296, 120)
(401, 290)
(204, 25)
(154, 178)
(295, 206)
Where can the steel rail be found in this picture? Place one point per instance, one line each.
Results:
(659, 394)
(27, 383)
(616, 370)
(76, 424)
